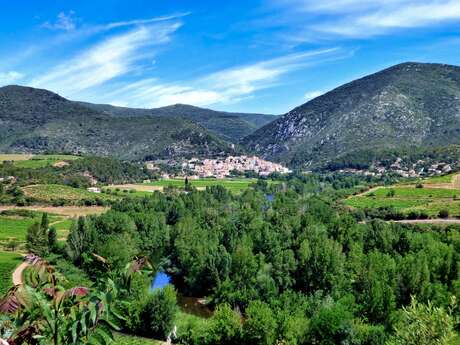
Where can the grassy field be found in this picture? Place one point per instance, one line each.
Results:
(15, 227)
(234, 184)
(52, 192)
(408, 198)
(8, 262)
(35, 161)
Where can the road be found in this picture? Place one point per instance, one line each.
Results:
(18, 272)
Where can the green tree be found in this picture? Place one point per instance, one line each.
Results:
(224, 327)
(36, 240)
(260, 327)
(52, 238)
(423, 324)
(158, 313)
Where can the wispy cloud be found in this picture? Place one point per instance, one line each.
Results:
(64, 21)
(112, 58)
(10, 77)
(360, 19)
(312, 94)
(221, 87)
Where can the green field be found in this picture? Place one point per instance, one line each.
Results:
(15, 227)
(54, 192)
(407, 199)
(233, 184)
(8, 262)
(27, 161)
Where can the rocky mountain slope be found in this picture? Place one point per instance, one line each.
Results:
(229, 126)
(34, 120)
(407, 105)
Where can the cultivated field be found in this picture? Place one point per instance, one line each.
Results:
(70, 211)
(35, 161)
(13, 226)
(437, 194)
(235, 185)
(53, 192)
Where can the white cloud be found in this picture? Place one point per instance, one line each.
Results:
(357, 18)
(112, 58)
(64, 21)
(10, 77)
(221, 87)
(312, 94)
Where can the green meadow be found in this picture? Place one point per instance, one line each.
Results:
(233, 184)
(8, 262)
(14, 227)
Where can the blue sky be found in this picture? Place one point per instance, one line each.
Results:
(253, 56)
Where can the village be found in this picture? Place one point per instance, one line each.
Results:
(407, 170)
(221, 168)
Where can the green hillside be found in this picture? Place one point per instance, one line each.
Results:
(407, 105)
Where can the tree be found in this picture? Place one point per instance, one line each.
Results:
(36, 240)
(45, 222)
(422, 324)
(52, 238)
(158, 313)
(12, 245)
(224, 327)
(260, 326)
(444, 213)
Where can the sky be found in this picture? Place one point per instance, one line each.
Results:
(265, 56)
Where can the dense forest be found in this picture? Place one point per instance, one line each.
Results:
(278, 264)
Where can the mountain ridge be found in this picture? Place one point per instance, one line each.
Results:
(406, 104)
(37, 120)
(228, 125)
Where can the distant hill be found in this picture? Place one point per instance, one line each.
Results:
(35, 120)
(407, 105)
(229, 126)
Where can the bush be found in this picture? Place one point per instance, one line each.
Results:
(444, 213)
(419, 185)
(158, 313)
(260, 326)
(224, 327)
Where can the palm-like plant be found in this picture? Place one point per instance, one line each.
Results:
(46, 313)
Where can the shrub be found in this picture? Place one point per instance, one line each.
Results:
(444, 213)
(260, 325)
(419, 185)
(158, 313)
(423, 325)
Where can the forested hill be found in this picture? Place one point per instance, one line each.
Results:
(34, 120)
(410, 104)
(229, 126)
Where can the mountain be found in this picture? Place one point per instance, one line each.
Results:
(229, 126)
(35, 120)
(407, 105)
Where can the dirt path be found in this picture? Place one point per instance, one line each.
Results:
(429, 221)
(70, 211)
(17, 274)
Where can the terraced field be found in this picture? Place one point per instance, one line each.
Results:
(437, 194)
